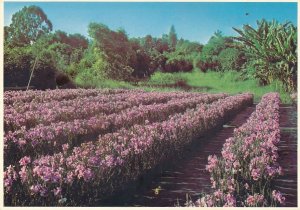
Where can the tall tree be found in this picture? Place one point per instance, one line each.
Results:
(148, 44)
(172, 38)
(27, 25)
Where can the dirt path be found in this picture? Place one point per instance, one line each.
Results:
(189, 174)
(287, 150)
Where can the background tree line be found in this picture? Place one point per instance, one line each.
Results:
(268, 53)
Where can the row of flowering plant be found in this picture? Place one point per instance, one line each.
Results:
(243, 175)
(46, 139)
(89, 173)
(29, 115)
(38, 96)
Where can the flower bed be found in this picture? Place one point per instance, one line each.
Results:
(243, 175)
(29, 115)
(13, 97)
(89, 173)
(48, 139)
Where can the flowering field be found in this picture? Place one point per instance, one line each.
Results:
(77, 147)
(243, 175)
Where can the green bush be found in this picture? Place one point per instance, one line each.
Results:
(231, 59)
(19, 62)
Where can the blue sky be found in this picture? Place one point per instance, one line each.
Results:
(195, 21)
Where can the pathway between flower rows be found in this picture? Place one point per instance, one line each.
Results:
(287, 151)
(188, 175)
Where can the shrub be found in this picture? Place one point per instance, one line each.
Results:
(61, 79)
(206, 65)
(178, 65)
(18, 63)
(231, 59)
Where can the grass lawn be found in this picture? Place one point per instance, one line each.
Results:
(216, 82)
(211, 82)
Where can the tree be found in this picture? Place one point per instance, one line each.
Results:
(210, 51)
(161, 44)
(28, 25)
(69, 50)
(272, 50)
(172, 38)
(115, 49)
(209, 57)
(148, 43)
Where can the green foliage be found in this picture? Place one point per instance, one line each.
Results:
(19, 62)
(93, 65)
(220, 54)
(208, 58)
(68, 51)
(268, 53)
(115, 49)
(17, 58)
(27, 26)
(65, 54)
(177, 62)
(231, 59)
(186, 47)
(191, 51)
(157, 61)
(272, 47)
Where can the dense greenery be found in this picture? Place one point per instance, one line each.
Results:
(28, 25)
(109, 57)
(221, 53)
(272, 50)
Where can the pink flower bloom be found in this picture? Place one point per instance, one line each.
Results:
(24, 161)
(250, 200)
(65, 147)
(87, 175)
(57, 191)
(8, 184)
(70, 177)
(218, 194)
(35, 188)
(277, 196)
(209, 201)
(230, 200)
(9, 176)
(212, 163)
(23, 174)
